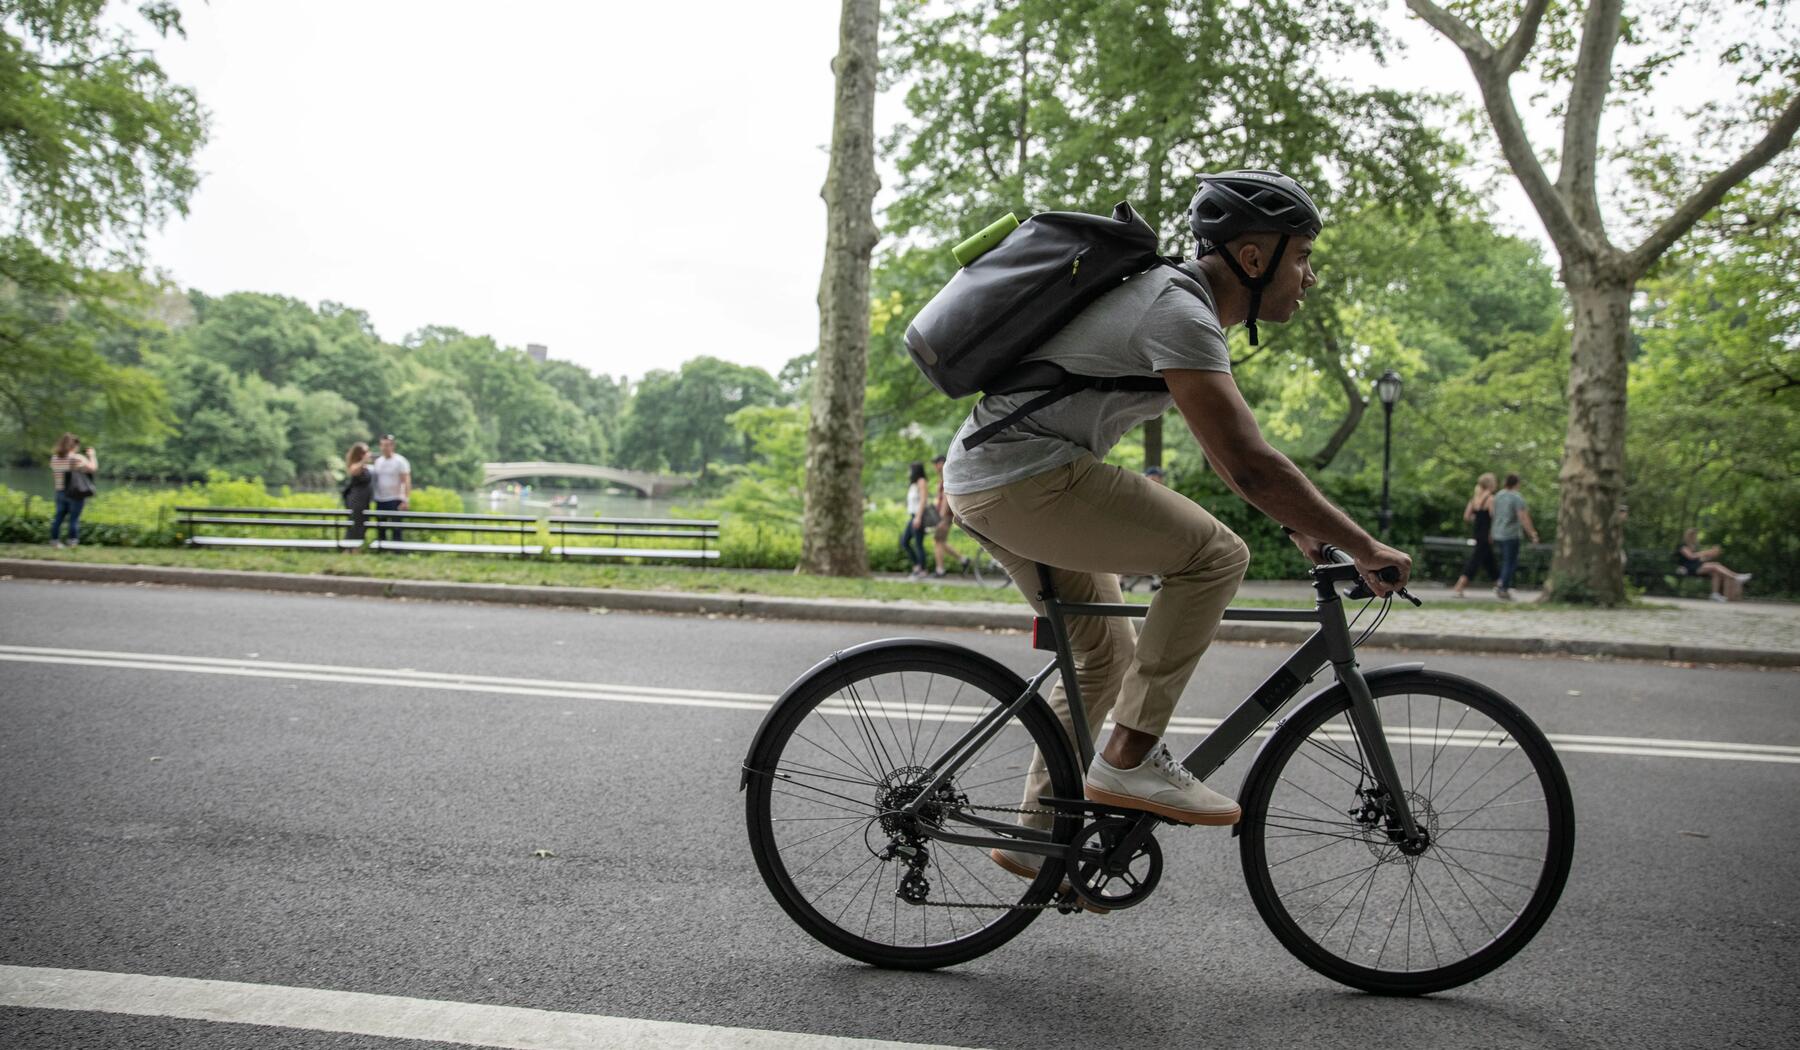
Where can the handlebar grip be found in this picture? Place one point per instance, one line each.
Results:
(1389, 573)
(1335, 556)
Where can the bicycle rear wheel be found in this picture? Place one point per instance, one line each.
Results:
(852, 745)
(1324, 860)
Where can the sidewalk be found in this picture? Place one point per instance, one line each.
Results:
(1762, 633)
(1661, 628)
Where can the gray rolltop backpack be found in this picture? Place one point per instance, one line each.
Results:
(1020, 283)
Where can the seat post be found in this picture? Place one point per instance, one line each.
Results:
(1065, 664)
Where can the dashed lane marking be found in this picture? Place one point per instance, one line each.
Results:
(1643, 747)
(389, 1016)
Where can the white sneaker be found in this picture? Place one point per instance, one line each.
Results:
(56, 544)
(1503, 595)
(1743, 577)
(1162, 786)
(1717, 597)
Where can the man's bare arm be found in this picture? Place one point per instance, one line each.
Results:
(1228, 433)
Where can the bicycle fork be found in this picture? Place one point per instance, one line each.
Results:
(1365, 723)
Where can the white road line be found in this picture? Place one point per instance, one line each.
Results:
(1646, 747)
(389, 1016)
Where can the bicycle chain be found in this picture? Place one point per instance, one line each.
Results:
(1053, 902)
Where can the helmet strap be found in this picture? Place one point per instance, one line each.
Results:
(1255, 284)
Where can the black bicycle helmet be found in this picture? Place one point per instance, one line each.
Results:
(1250, 200)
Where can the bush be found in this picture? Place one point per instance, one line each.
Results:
(121, 517)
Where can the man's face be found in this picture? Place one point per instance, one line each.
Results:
(1293, 275)
(387, 446)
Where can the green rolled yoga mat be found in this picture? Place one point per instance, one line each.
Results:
(972, 249)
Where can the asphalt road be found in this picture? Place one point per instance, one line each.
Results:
(380, 836)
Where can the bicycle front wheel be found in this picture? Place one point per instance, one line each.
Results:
(1324, 858)
(848, 750)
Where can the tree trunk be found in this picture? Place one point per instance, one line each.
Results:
(1352, 416)
(1587, 567)
(1023, 138)
(1153, 442)
(832, 540)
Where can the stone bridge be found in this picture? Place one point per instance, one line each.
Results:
(649, 485)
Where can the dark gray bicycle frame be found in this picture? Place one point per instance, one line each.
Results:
(1329, 644)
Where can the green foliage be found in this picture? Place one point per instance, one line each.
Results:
(678, 420)
(99, 144)
(439, 433)
(96, 148)
(1716, 392)
(55, 374)
(1042, 104)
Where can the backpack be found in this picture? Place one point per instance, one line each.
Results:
(1020, 284)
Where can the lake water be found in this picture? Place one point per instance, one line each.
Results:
(611, 503)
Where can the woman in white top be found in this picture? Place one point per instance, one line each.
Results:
(912, 538)
(66, 457)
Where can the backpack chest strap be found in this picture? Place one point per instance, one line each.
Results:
(1068, 386)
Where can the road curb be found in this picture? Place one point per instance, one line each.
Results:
(910, 614)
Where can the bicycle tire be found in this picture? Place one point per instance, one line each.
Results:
(891, 694)
(1487, 888)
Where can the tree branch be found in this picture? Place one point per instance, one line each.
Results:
(1708, 196)
(1512, 53)
(1459, 32)
(1587, 102)
(1492, 76)
(1334, 367)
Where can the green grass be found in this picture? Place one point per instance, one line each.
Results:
(458, 568)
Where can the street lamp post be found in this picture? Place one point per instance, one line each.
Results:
(1387, 388)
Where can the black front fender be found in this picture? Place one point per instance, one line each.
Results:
(845, 664)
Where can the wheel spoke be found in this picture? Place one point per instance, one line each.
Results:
(841, 811)
(1423, 913)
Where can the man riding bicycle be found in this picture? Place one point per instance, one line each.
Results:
(1040, 492)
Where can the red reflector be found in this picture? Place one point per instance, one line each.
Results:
(1041, 635)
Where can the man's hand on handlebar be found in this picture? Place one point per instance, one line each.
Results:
(1370, 561)
(1380, 556)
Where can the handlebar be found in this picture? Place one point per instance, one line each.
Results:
(1388, 574)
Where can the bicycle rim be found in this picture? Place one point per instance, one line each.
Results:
(1328, 873)
(831, 776)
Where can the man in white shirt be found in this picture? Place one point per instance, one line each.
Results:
(393, 485)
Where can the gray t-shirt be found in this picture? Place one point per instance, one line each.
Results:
(1507, 505)
(1155, 321)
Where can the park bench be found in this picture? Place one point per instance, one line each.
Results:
(337, 521)
(1651, 570)
(522, 527)
(1442, 559)
(648, 538)
(1654, 571)
(334, 522)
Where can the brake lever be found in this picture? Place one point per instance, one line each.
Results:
(1390, 574)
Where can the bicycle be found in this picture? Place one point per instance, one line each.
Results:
(875, 839)
(988, 572)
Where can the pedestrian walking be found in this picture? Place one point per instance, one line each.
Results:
(918, 506)
(940, 532)
(359, 489)
(1479, 511)
(1511, 523)
(72, 472)
(393, 487)
(1691, 560)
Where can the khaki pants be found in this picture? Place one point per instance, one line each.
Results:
(1090, 521)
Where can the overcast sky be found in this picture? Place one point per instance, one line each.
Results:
(630, 184)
